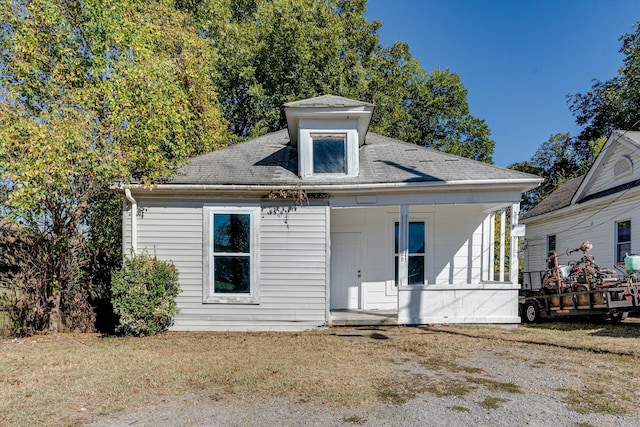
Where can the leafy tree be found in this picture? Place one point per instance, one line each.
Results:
(91, 92)
(556, 161)
(273, 52)
(609, 105)
(613, 104)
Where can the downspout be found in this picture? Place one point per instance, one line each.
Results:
(134, 221)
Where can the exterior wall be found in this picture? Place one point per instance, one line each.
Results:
(454, 289)
(471, 303)
(292, 265)
(376, 255)
(294, 274)
(605, 178)
(458, 245)
(594, 221)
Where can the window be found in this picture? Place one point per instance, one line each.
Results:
(329, 153)
(551, 248)
(232, 275)
(623, 240)
(416, 252)
(551, 243)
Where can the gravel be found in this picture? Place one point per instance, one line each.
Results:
(539, 372)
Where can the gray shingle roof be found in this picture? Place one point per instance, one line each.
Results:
(558, 199)
(270, 160)
(327, 101)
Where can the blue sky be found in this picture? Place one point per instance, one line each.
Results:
(518, 59)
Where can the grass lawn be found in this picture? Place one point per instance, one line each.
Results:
(67, 378)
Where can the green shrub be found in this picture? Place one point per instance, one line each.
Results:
(143, 295)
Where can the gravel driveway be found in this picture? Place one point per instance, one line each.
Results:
(540, 372)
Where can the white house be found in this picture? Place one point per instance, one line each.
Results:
(285, 230)
(600, 207)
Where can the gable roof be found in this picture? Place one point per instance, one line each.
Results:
(558, 199)
(629, 139)
(582, 188)
(270, 160)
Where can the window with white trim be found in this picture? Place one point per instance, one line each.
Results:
(329, 153)
(623, 240)
(327, 149)
(417, 253)
(232, 255)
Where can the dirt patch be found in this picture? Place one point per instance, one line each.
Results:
(555, 373)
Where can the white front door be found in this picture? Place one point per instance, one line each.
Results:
(345, 271)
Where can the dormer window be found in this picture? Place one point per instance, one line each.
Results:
(329, 153)
(327, 149)
(327, 132)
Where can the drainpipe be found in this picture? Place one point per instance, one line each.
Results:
(134, 221)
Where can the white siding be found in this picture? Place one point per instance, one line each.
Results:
(294, 271)
(292, 266)
(605, 178)
(593, 221)
(454, 291)
(458, 243)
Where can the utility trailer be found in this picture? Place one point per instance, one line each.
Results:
(581, 288)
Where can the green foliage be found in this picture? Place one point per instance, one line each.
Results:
(557, 161)
(92, 93)
(273, 52)
(615, 103)
(609, 105)
(143, 293)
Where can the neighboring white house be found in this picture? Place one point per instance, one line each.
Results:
(281, 231)
(601, 207)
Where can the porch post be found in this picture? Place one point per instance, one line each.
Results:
(403, 246)
(492, 247)
(502, 240)
(513, 259)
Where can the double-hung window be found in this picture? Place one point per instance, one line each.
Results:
(416, 252)
(623, 240)
(232, 255)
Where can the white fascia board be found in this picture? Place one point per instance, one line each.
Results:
(573, 207)
(497, 185)
(361, 113)
(604, 154)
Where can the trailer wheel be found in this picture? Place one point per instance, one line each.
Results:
(531, 312)
(619, 316)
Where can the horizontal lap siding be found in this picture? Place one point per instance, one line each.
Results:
(458, 244)
(292, 267)
(595, 223)
(172, 231)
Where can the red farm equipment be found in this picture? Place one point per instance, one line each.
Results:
(581, 288)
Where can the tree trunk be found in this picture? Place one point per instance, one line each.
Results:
(55, 317)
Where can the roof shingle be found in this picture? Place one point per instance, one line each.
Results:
(271, 160)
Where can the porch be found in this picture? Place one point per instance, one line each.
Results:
(417, 264)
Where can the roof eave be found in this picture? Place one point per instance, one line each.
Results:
(454, 185)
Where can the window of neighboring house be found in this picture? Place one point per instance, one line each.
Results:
(551, 247)
(416, 252)
(232, 259)
(329, 153)
(623, 240)
(551, 243)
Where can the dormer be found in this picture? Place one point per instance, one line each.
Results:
(327, 132)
